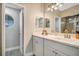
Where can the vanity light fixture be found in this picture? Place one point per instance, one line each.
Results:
(54, 6)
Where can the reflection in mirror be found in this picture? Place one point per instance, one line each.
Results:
(47, 23)
(39, 22)
(70, 24)
(63, 20)
(42, 22)
(58, 24)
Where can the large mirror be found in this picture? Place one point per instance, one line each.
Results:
(65, 17)
(70, 24)
(58, 18)
(42, 22)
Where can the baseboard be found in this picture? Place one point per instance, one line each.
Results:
(29, 54)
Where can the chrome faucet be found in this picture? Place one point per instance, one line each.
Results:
(67, 36)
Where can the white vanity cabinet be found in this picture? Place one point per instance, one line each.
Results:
(38, 46)
(50, 50)
(59, 49)
(47, 47)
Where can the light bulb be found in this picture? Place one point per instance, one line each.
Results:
(48, 9)
(52, 6)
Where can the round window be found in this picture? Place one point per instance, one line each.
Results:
(9, 21)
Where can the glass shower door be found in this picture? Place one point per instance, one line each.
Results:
(13, 32)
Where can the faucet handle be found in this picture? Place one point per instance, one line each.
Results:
(69, 36)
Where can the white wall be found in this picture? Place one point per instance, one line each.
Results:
(31, 11)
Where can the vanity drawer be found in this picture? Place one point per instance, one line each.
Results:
(67, 50)
(37, 46)
(48, 51)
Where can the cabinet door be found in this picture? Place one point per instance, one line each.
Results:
(37, 46)
(51, 50)
(48, 51)
(62, 49)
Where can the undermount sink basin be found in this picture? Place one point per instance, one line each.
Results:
(61, 38)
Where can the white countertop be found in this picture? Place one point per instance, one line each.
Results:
(72, 42)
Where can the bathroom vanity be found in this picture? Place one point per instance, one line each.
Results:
(52, 45)
(57, 45)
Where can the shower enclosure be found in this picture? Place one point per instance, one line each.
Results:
(13, 38)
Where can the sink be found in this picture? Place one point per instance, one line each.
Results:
(61, 38)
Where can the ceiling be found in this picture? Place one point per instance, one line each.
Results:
(67, 5)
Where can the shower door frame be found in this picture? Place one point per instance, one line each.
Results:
(3, 26)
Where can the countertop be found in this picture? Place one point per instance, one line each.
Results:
(58, 38)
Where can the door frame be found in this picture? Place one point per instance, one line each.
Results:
(3, 26)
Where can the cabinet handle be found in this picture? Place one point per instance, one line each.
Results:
(55, 52)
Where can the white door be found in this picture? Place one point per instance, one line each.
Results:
(12, 29)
